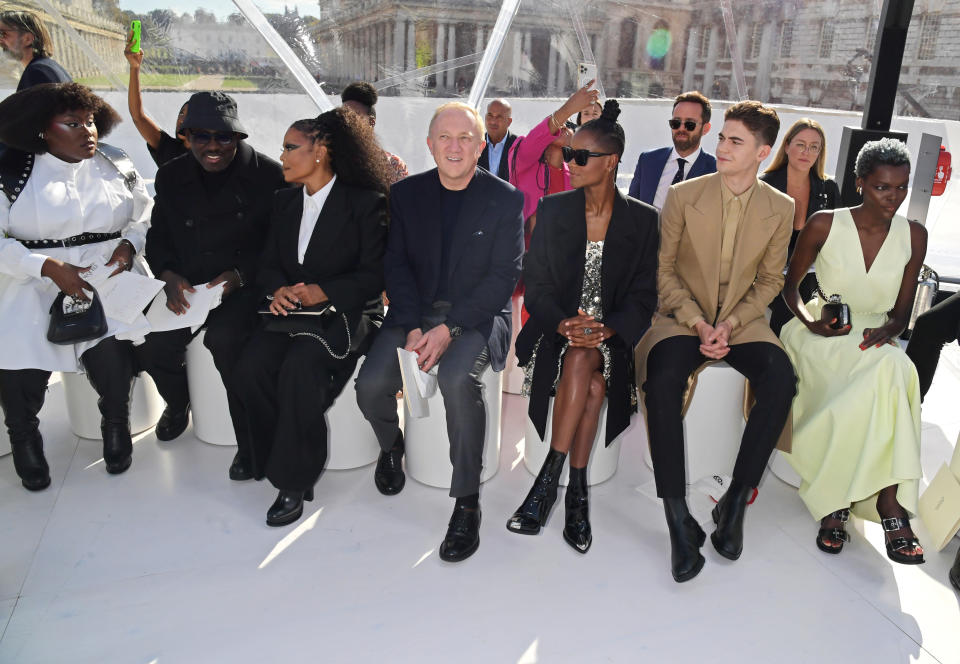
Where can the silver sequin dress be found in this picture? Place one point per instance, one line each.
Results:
(590, 302)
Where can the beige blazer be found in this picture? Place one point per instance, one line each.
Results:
(688, 274)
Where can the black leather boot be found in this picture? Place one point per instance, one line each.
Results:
(463, 532)
(388, 476)
(117, 445)
(532, 514)
(109, 367)
(686, 538)
(173, 422)
(576, 529)
(288, 507)
(728, 515)
(240, 468)
(29, 462)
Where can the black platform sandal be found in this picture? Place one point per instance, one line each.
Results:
(837, 534)
(897, 544)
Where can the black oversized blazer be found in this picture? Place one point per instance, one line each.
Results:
(344, 256)
(553, 272)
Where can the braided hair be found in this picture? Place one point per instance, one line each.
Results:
(606, 129)
(355, 155)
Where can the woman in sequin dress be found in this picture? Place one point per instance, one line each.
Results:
(578, 344)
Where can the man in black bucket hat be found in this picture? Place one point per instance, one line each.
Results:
(210, 219)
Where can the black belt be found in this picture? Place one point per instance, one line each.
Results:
(75, 241)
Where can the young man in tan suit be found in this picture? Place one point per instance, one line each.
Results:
(723, 245)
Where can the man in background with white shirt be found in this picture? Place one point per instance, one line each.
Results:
(658, 169)
(497, 123)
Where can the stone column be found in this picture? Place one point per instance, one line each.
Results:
(693, 42)
(552, 66)
(517, 58)
(450, 55)
(397, 62)
(762, 84)
(438, 54)
(712, 50)
(639, 50)
(528, 57)
(411, 45)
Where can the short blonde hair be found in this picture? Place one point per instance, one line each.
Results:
(460, 106)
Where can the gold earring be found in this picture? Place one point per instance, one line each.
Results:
(859, 191)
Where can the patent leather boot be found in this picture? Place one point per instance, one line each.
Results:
(686, 538)
(576, 529)
(109, 367)
(29, 462)
(117, 445)
(728, 515)
(532, 514)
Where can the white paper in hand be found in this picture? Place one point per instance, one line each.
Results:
(418, 386)
(202, 301)
(126, 295)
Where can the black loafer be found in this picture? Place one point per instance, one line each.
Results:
(288, 507)
(30, 464)
(117, 446)
(463, 535)
(388, 475)
(240, 469)
(173, 422)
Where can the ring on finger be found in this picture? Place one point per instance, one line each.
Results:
(587, 330)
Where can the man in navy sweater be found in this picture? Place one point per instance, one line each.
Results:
(24, 37)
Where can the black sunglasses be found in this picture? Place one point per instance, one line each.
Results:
(689, 125)
(580, 157)
(204, 137)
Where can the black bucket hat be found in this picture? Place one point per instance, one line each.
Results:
(213, 110)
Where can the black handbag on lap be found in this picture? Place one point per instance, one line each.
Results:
(313, 321)
(73, 320)
(834, 308)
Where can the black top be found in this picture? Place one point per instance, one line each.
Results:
(200, 233)
(42, 70)
(450, 213)
(167, 149)
(824, 195)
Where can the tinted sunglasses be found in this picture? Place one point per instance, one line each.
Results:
(689, 125)
(580, 157)
(204, 137)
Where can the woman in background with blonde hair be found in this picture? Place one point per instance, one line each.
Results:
(797, 171)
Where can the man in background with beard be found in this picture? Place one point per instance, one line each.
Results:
(658, 169)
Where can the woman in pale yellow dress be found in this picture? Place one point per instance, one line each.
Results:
(856, 417)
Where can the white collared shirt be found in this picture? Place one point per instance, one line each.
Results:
(670, 170)
(312, 205)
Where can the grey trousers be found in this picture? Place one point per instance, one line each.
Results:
(458, 378)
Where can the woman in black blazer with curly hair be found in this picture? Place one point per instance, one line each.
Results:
(326, 247)
(591, 291)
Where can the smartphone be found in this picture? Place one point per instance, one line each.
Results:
(135, 43)
(586, 72)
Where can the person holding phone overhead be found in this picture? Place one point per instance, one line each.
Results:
(162, 146)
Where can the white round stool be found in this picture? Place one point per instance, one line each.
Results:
(145, 405)
(713, 424)
(512, 372)
(603, 459)
(427, 444)
(780, 467)
(352, 443)
(208, 396)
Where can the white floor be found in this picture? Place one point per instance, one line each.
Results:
(172, 562)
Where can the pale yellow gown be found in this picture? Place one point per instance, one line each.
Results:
(856, 417)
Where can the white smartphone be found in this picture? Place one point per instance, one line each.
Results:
(586, 72)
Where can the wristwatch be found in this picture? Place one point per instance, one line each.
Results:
(455, 331)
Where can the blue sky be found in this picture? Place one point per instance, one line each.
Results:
(219, 7)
